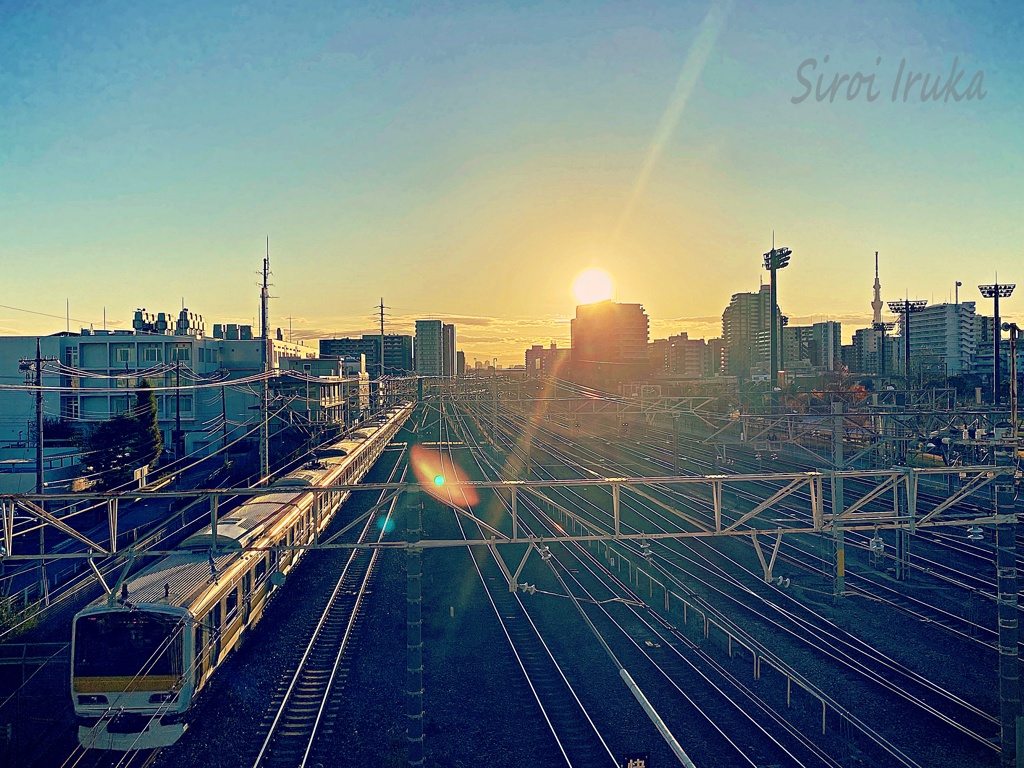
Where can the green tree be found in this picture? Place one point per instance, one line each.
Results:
(149, 442)
(119, 446)
(111, 451)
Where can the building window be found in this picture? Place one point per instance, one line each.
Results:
(181, 354)
(69, 407)
(150, 354)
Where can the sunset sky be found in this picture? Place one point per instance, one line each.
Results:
(469, 160)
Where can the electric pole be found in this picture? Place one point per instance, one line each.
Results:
(36, 365)
(39, 424)
(265, 388)
(224, 415)
(381, 337)
(179, 450)
(380, 381)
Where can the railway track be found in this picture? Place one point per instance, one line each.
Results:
(574, 461)
(578, 739)
(303, 702)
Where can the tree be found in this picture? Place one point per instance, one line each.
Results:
(149, 442)
(119, 446)
(111, 450)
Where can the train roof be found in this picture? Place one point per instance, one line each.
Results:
(185, 574)
(188, 572)
(243, 524)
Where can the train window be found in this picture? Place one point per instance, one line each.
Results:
(231, 603)
(200, 649)
(261, 569)
(128, 644)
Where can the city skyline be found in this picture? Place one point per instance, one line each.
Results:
(467, 165)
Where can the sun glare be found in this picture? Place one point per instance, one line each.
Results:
(591, 286)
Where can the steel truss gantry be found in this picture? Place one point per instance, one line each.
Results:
(884, 499)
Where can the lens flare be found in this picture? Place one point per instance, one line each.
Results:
(435, 473)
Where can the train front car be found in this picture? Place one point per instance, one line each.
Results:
(129, 675)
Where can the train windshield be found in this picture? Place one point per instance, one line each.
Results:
(128, 644)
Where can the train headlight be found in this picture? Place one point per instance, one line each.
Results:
(92, 699)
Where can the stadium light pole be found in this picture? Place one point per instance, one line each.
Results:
(995, 292)
(774, 260)
(883, 327)
(905, 308)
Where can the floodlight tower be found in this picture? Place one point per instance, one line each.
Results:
(995, 292)
(905, 308)
(883, 327)
(774, 260)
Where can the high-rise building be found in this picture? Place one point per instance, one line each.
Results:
(352, 347)
(460, 363)
(716, 351)
(865, 354)
(397, 352)
(429, 348)
(551, 361)
(827, 345)
(609, 342)
(943, 339)
(747, 315)
(683, 357)
(448, 350)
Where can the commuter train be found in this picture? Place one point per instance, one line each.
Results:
(141, 654)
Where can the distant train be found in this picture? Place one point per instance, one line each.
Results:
(140, 656)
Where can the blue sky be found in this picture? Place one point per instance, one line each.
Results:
(467, 160)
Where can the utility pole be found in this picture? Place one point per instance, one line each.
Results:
(39, 469)
(35, 365)
(265, 388)
(381, 337)
(39, 423)
(1014, 331)
(380, 380)
(179, 450)
(224, 415)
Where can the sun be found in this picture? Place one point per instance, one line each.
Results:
(592, 286)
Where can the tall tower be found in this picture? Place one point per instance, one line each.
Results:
(876, 305)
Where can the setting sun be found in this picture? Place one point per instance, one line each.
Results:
(591, 286)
